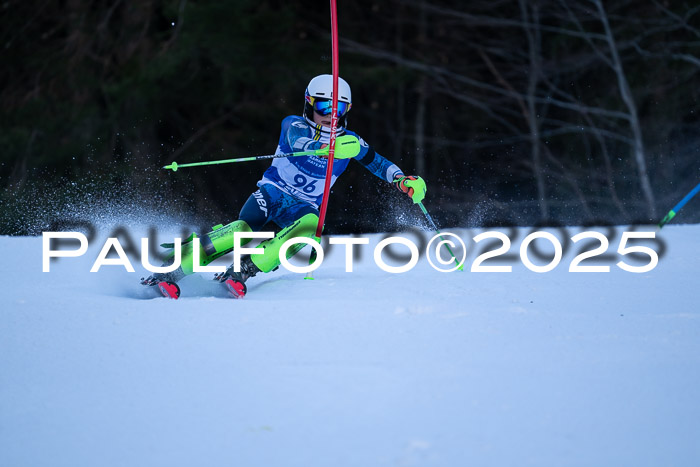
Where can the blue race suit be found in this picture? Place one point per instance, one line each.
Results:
(293, 186)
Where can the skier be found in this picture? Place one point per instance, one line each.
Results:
(290, 191)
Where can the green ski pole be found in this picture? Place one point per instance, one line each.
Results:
(432, 223)
(174, 166)
(672, 213)
(347, 146)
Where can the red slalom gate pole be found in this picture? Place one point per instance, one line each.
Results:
(334, 120)
(334, 126)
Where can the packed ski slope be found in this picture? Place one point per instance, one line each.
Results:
(352, 369)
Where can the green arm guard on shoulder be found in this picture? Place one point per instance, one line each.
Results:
(346, 147)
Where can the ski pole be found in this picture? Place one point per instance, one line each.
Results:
(318, 152)
(432, 223)
(347, 146)
(672, 213)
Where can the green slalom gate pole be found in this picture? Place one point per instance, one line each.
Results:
(460, 266)
(672, 213)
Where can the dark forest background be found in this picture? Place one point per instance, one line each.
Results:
(515, 112)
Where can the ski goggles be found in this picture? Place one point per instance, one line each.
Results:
(325, 106)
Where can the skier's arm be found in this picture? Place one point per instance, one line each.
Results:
(380, 166)
(297, 139)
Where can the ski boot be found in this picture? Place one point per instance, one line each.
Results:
(235, 281)
(166, 282)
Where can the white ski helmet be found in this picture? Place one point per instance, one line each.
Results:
(319, 95)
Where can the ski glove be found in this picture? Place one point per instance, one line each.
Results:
(413, 186)
(346, 147)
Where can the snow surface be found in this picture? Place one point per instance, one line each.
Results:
(352, 369)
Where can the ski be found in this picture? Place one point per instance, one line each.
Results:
(234, 282)
(235, 288)
(169, 289)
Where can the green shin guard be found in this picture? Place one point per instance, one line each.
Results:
(213, 245)
(305, 226)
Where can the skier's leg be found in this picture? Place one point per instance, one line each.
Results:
(297, 218)
(305, 226)
(268, 260)
(212, 245)
(257, 209)
(219, 241)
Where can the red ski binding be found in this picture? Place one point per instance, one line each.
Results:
(169, 289)
(235, 288)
